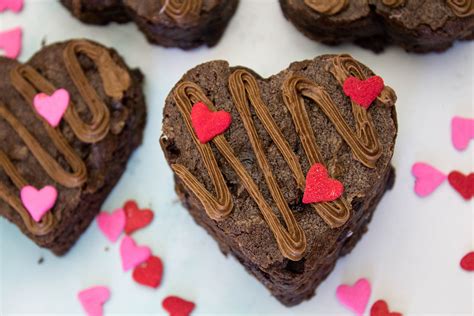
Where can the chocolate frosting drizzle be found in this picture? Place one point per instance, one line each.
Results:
(461, 8)
(184, 12)
(327, 7)
(394, 3)
(245, 92)
(28, 82)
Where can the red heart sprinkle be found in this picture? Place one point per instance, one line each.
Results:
(363, 92)
(467, 262)
(136, 218)
(177, 306)
(380, 308)
(208, 124)
(463, 184)
(149, 273)
(319, 187)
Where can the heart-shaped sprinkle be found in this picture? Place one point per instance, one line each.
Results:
(10, 42)
(93, 298)
(462, 183)
(149, 273)
(177, 306)
(112, 225)
(427, 178)
(208, 124)
(14, 5)
(136, 218)
(467, 262)
(363, 92)
(52, 108)
(380, 308)
(355, 297)
(131, 254)
(462, 131)
(319, 187)
(38, 202)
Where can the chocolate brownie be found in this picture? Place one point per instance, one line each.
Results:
(245, 187)
(85, 155)
(418, 26)
(171, 23)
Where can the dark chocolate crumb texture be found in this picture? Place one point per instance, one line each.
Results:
(171, 23)
(246, 186)
(419, 26)
(85, 155)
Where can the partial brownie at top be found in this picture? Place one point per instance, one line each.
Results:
(70, 118)
(419, 26)
(284, 172)
(171, 23)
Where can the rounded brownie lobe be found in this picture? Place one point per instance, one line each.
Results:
(169, 23)
(416, 25)
(245, 233)
(104, 158)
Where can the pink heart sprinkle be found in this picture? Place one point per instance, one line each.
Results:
(462, 131)
(10, 42)
(93, 298)
(112, 225)
(131, 254)
(38, 202)
(427, 178)
(52, 108)
(355, 297)
(14, 5)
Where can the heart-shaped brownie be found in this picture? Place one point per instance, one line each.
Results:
(246, 186)
(84, 156)
(416, 25)
(170, 23)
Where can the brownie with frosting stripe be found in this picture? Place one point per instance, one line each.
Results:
(245, 186)
(85, 155)
(418, 26)
(171, 23)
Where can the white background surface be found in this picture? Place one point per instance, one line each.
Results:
(410, 254)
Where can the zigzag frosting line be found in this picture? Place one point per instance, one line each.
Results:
(335, 213)
(291, 242)
(47, 222)
(185, 95)
(28, 82)
(245, 92)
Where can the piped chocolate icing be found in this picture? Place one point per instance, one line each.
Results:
(461, 8)
(28, 82)
(184, 12)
